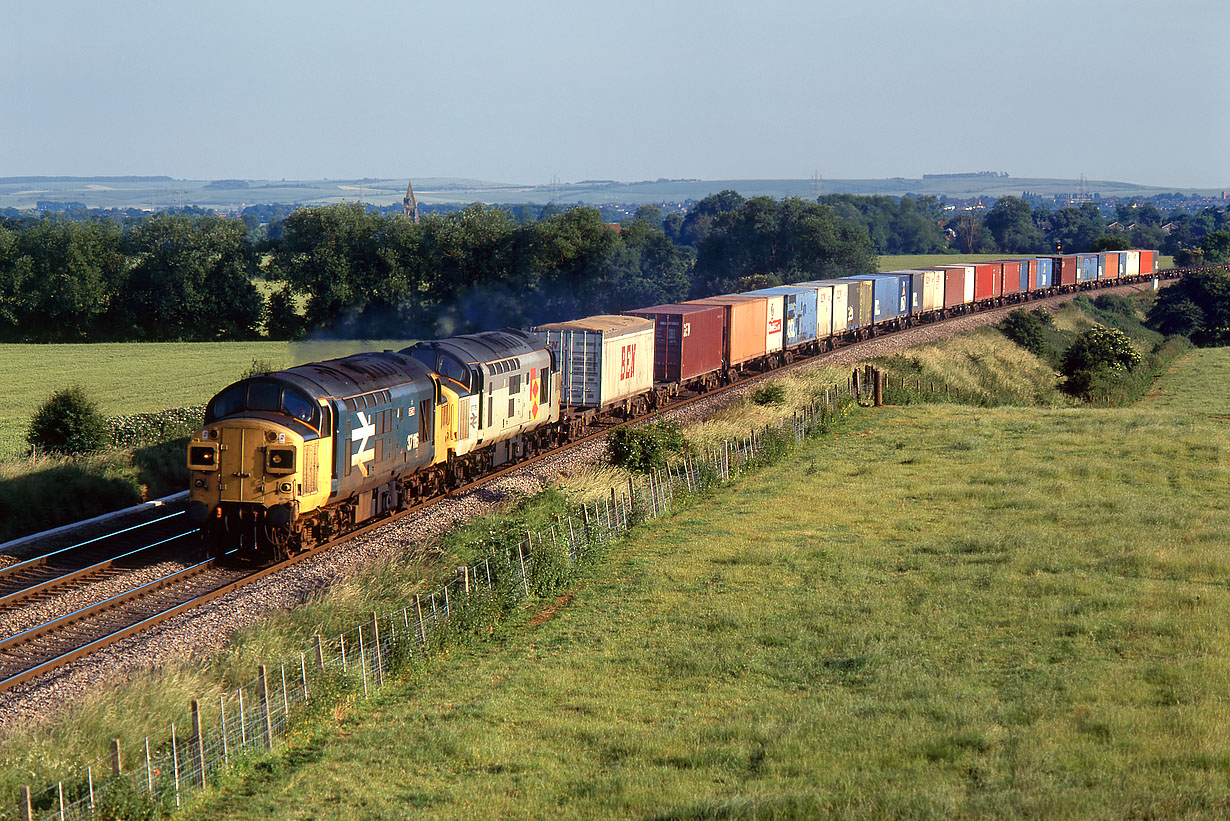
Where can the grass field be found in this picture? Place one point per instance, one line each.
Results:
(943, 612)
(140, 377)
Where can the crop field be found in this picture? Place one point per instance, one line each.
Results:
(140, 377)
(940, 612)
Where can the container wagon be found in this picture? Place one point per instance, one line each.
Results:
(606, 364)
(687, 345)
(799, 314)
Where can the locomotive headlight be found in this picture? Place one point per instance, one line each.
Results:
(200, 483)
(280, 460)
(285, 487)
(203, 457)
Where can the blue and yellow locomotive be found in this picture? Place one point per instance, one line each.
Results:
(292, 458)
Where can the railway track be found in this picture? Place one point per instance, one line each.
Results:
(59, 641)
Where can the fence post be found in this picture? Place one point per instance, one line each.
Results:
(149, 770)
(448, 613)
(198, 745)
(341, 642)
(363, 661)
(320, 653)
(879, 388)
(285, 701)
(263, 693)
(377, 656)
(418, 610)
(226, 751)
(525, 582)
(175, 761)
(117, 761)
(464, 573)
(27, 812)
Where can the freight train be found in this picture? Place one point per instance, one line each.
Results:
(293, 458)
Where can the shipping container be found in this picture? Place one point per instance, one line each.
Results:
(603, 360)
(958, 285)
(890, 295)
(745, 321)
(988, 282)
(841, 314)
(1148, 263)
(1043, 267)
(775, 319)
(824, 307)
(1064, 271)
(1088, 268)
(800, 307)
(1010, 275)
(687, 340)
(926, 290)
(1111, 263)
(1131, 263)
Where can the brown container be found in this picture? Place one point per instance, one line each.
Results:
(746, 320)
(1033, 274)
(1063, 270)
(687, 340)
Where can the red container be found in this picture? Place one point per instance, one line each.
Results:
(1010, 275)
(958, 284)
(687, 340)
(1063, 270)
(1033, 274)
(1148, 263)
(988, 280)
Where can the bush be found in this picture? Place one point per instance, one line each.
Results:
(1029, 329)
(1097, 353)
(68, 423)
(772, 393)
(645, 447)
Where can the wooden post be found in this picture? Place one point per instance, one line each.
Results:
(463, 574)
(198, 745)
(879, 388)
(175, 761)
(117, 761)
(525, 581)
(341, 642)
(363, 659)
(262, 684)
(303, 675)
(377, 656)
(320, 653)
(27, 811)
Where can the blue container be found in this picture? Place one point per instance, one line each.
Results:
(801, 313)
(890, 295)
(1044, 272)
(1088, 268)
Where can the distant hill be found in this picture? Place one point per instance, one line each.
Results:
(164, 192)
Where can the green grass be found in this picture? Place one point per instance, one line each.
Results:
(129, 378)
(945, 612)
(905, 262)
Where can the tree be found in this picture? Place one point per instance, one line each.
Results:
(1109, 242)
(190, 278)
(68, 423)
(777, 241)
(1216, 247)
(1011, 223)
(1197, 306)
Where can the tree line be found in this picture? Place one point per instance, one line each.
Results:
(351, 271)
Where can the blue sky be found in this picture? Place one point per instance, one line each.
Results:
(528, 91)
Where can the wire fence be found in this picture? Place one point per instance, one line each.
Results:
(262, 715)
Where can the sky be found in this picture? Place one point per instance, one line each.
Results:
(537, 90)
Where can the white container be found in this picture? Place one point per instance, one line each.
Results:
(603, 360)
